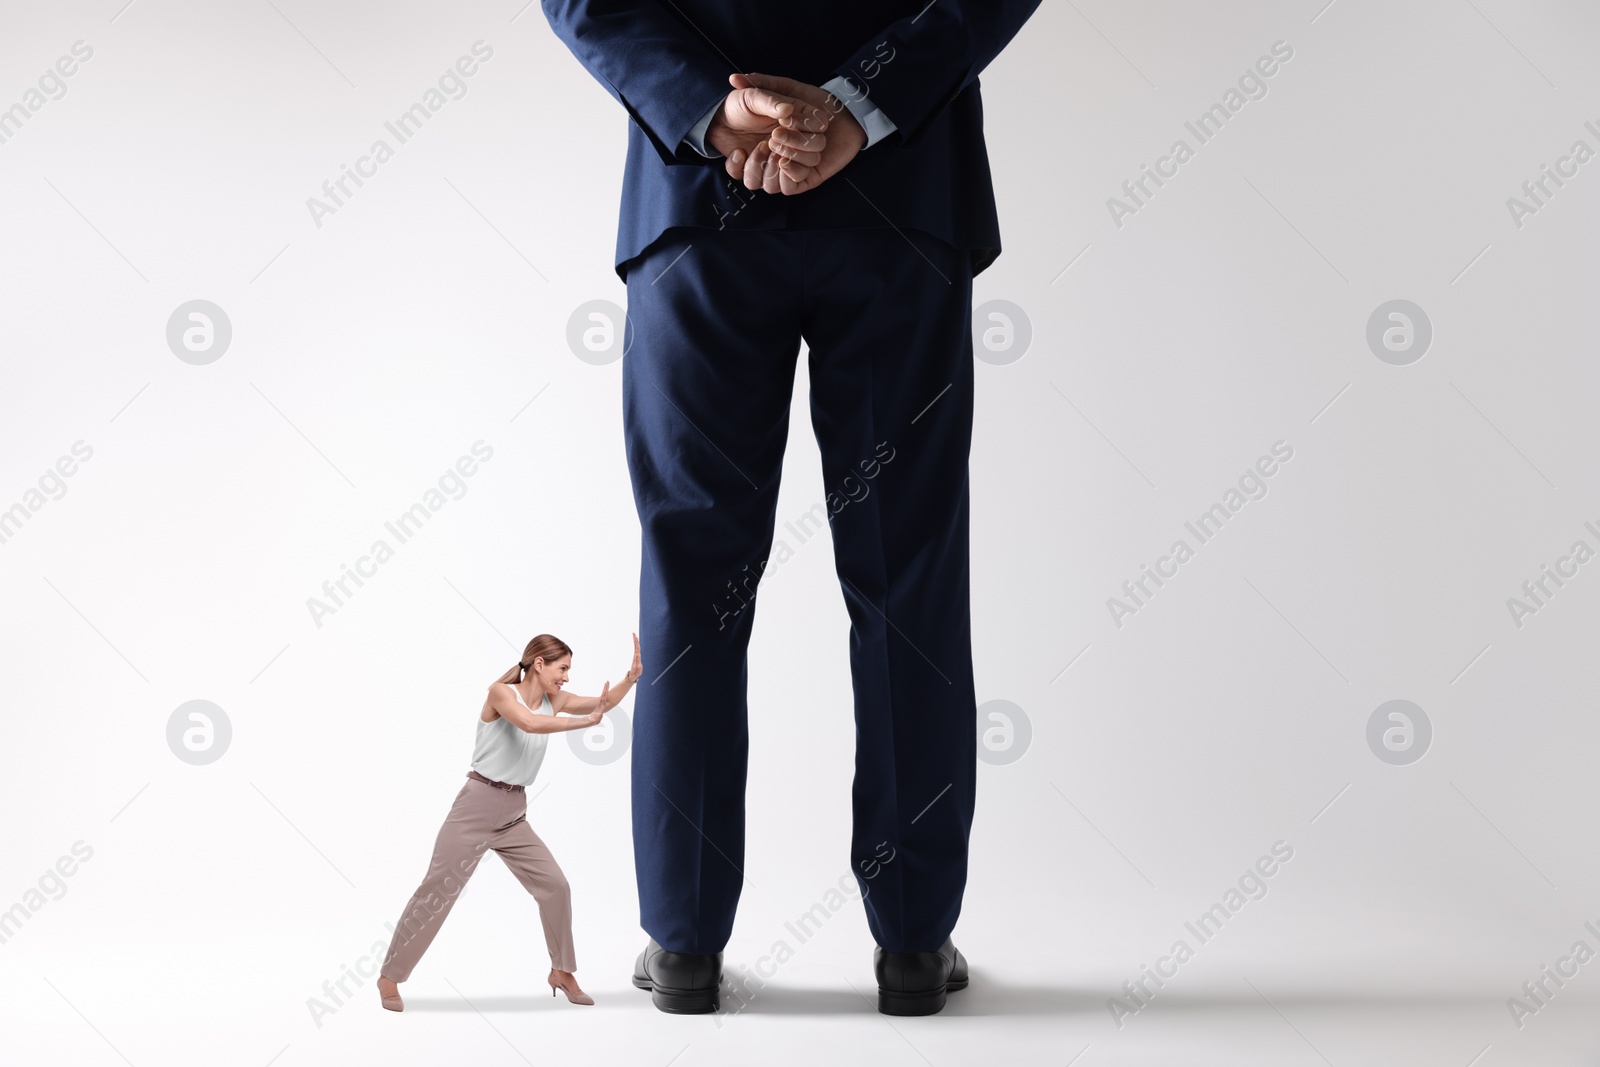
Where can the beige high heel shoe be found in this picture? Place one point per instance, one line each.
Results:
(392, 1001)
(580, 997)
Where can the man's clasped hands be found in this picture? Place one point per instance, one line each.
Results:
(782, 135)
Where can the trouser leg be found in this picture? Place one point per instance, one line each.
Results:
(888, 321)
(457, 848)
(536, 868)
(706, 391)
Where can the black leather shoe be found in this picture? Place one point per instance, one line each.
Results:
(914, 983)
(681, 983)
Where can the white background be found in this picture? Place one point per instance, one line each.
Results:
(369, 353)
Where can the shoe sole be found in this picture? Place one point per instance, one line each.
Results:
(679, 1001)
(926, 1002)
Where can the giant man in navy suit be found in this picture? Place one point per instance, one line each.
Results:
(873, 269)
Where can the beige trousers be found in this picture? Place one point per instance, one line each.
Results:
(483, 817)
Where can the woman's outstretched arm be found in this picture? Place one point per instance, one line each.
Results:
(573, 704)
(504, 702)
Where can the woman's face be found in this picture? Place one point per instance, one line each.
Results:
(554, 675)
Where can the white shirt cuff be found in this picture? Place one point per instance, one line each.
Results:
(870, 115)
(696, 137)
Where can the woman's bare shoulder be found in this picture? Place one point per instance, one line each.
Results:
(498, 692)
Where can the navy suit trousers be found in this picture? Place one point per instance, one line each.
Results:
(717, 318)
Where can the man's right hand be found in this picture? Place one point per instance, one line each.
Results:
(801, 163)
(743, 125)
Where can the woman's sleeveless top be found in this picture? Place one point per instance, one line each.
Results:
(506, 753)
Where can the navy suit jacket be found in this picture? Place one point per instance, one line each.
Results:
(668, 61)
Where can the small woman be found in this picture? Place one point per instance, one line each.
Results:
(519, 714)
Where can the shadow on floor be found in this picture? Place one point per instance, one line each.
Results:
(984, 997)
